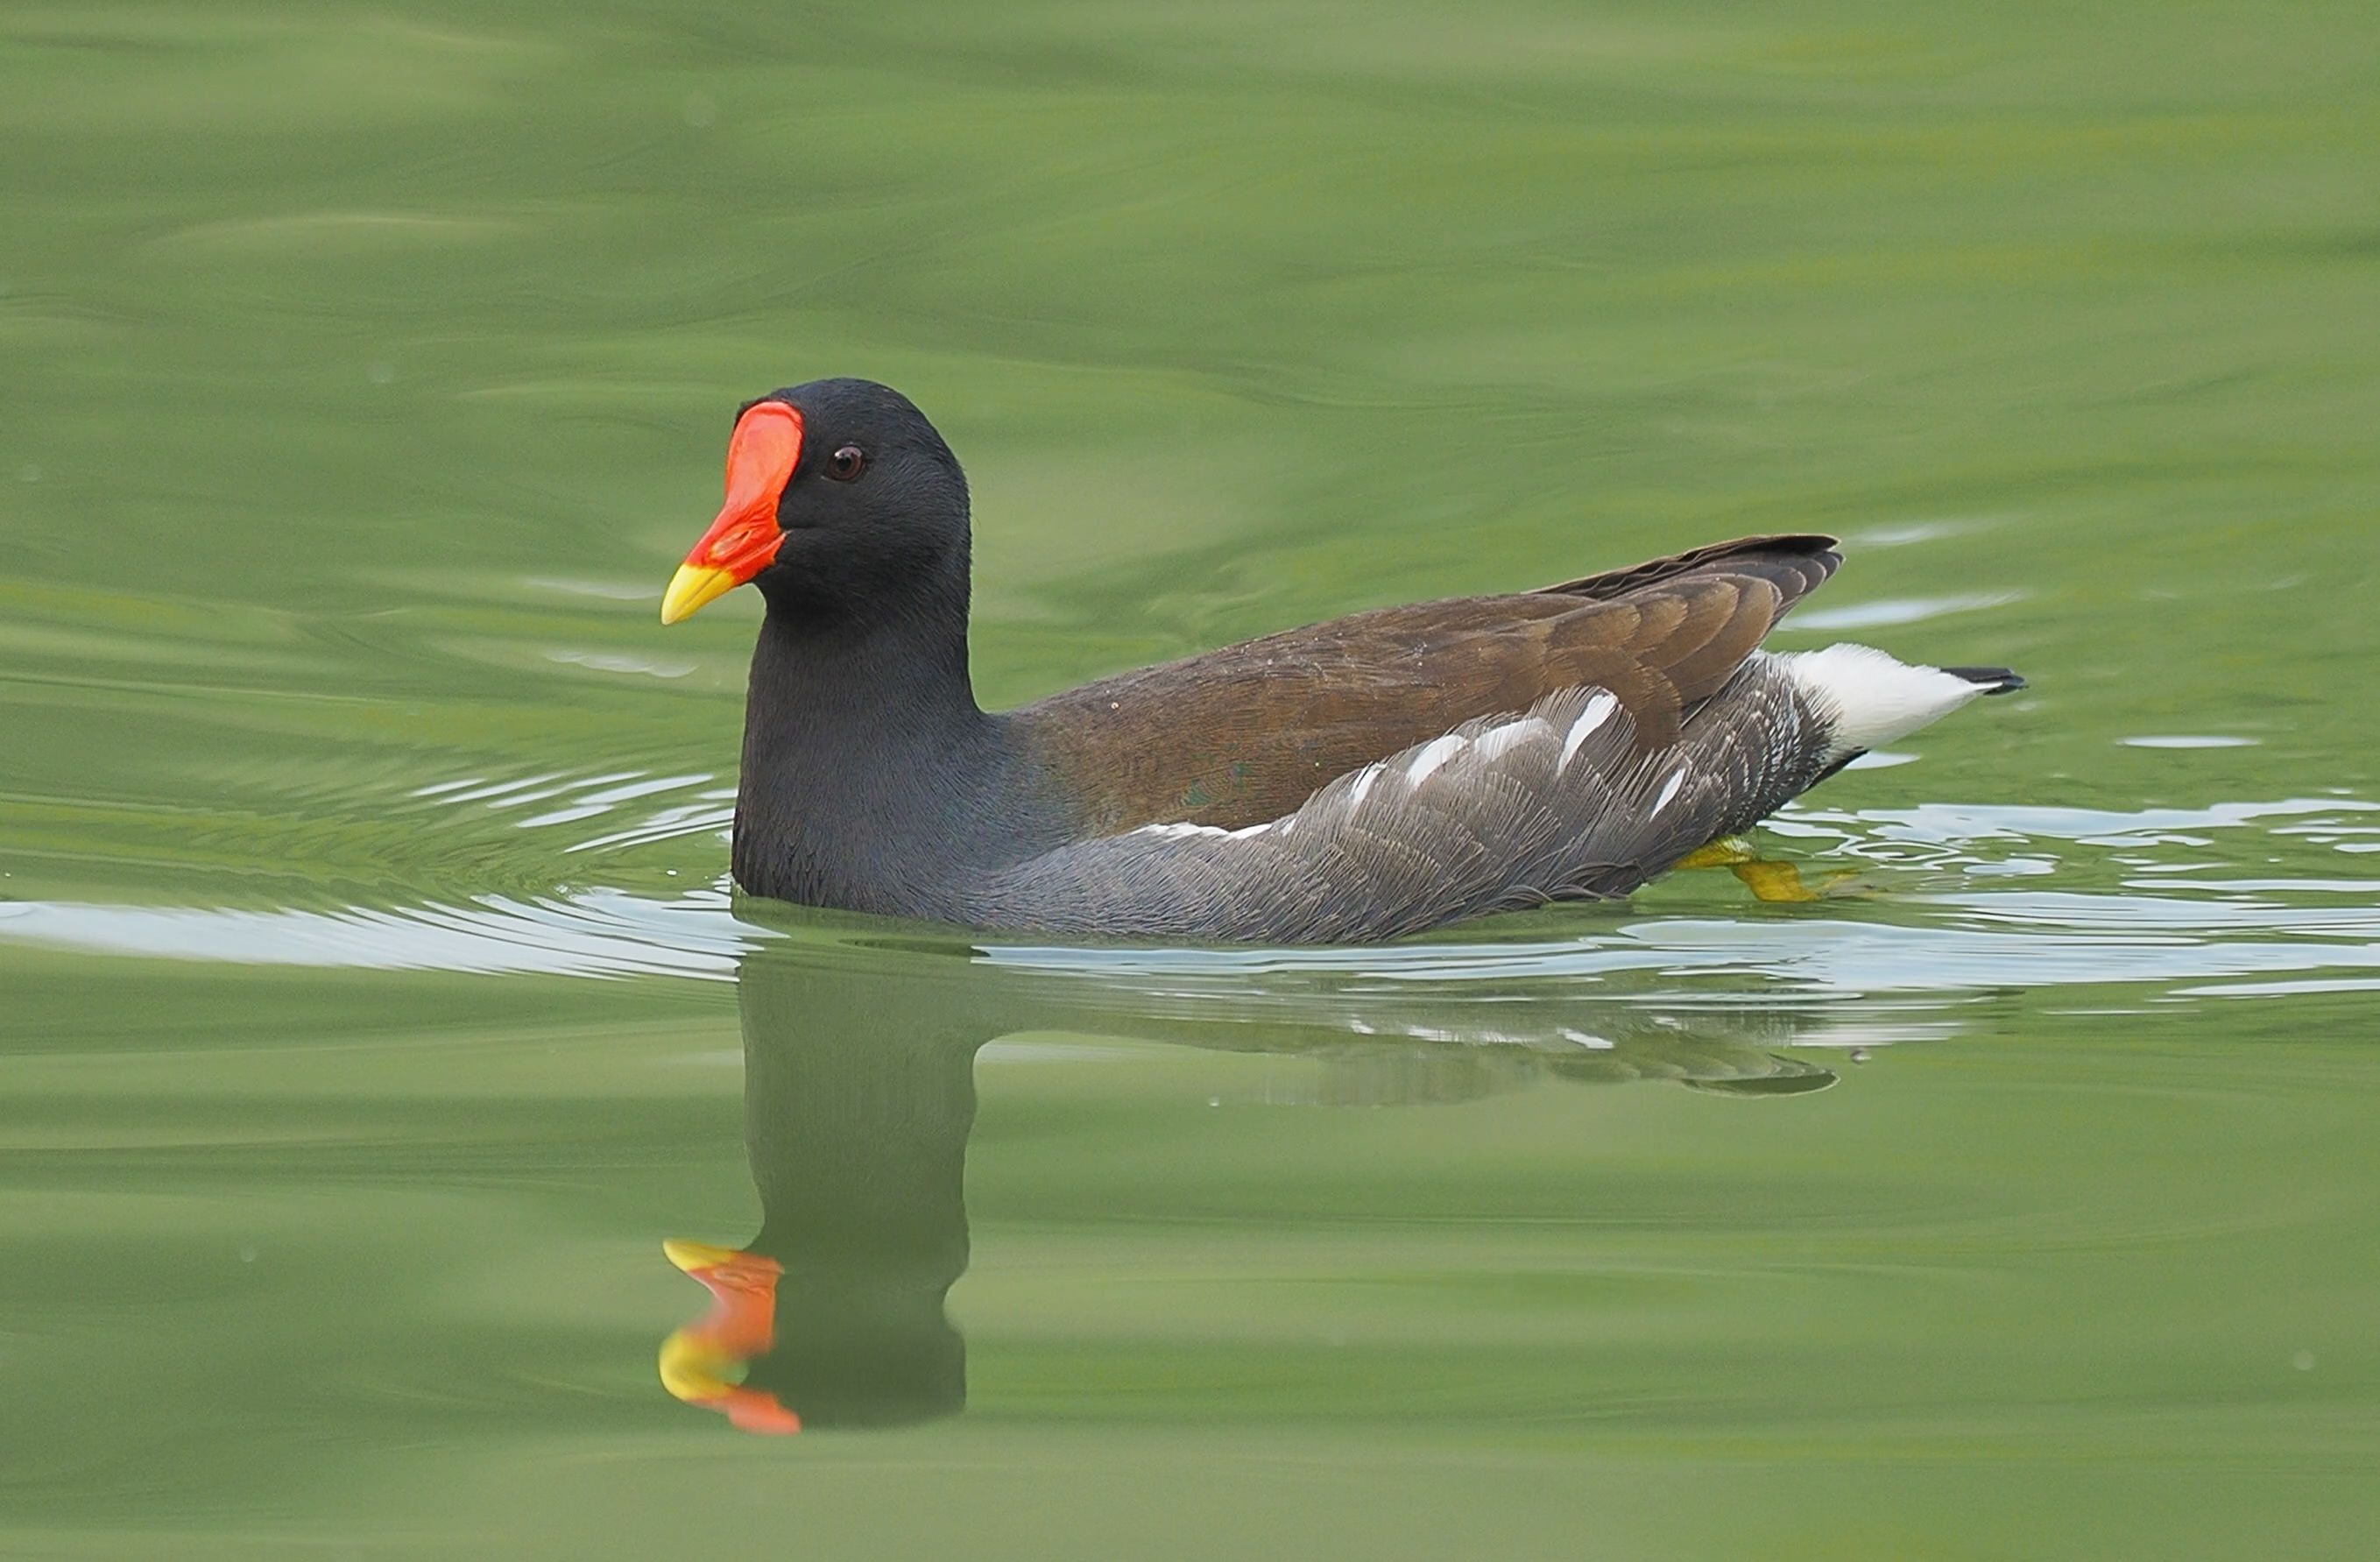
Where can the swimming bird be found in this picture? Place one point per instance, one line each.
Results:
(1351, 781)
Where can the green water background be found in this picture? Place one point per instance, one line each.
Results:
(369, 1000)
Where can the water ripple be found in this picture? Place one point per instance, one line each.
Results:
(2207, 903)
(1966, 944)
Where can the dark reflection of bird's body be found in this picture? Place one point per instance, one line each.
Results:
(859, 1095)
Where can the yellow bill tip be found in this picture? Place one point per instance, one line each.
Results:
(690, 588)
(691, 1256)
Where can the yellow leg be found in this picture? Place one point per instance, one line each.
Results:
(1725, 852)
(1774, 882)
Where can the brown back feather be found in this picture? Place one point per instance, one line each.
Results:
(1247, 733)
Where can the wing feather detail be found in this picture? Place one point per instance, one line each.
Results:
(1248, 733)
(1562, 800)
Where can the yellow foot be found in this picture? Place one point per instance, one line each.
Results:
(1725, 852)
(1774, 881)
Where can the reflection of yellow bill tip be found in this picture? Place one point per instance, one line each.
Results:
(691, 1256)
(692, 586)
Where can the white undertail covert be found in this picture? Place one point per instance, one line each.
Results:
(1866, 698)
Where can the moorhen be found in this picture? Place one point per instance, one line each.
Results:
(1351, 781)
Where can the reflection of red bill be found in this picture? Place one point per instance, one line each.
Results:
(741, 1324)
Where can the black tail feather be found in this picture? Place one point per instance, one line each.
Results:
(1996, 681)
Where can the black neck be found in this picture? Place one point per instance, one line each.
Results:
(871, 780)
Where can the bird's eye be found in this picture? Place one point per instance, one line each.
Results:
(846, 463)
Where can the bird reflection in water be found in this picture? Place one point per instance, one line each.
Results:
(859, 1093)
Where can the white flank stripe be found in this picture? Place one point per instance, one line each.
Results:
(1433, 754)
(1668, 792)
(1494, 743)
(1175, 832)
(1599, 711)
(1364, 779)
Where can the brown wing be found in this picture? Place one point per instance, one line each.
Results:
(1245, 733)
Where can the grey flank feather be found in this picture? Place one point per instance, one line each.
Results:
(1505, 812)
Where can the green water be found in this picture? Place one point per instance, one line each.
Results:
(373, 1006)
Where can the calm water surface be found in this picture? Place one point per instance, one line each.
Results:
(374, 1007)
